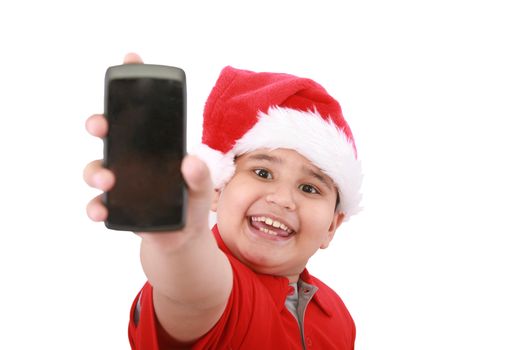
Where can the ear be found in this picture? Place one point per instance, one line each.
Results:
(337, 220)
(215, 200)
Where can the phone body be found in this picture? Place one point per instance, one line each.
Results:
(145, 107)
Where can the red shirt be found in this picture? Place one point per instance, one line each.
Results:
(255, 316)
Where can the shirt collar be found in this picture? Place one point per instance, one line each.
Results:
(321, 296)
(278, 286)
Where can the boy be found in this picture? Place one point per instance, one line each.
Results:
(285, 176)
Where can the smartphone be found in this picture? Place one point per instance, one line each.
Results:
(145, 107)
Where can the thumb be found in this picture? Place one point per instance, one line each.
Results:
(131, 58)
(200, 192)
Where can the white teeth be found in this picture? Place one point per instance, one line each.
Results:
(270, 232)
(270, 222)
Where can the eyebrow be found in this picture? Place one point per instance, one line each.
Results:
(307, 170)
(266, 157)
(319, 176)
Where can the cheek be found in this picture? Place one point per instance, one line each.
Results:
(319, 217)
(229, 201)
(319, 225)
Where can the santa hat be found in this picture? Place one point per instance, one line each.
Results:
(247, 111)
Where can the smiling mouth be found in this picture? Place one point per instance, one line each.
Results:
(271, 226)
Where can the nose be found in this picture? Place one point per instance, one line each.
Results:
(283, 197)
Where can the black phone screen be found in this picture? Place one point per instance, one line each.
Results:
(144, 148)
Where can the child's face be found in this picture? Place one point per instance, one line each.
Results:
(276, 211)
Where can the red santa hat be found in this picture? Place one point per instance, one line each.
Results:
(247, 111)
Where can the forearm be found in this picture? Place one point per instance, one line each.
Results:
(188, 269)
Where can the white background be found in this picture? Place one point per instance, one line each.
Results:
(433, 90)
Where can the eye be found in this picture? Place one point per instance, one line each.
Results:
(265, 174)
(309, 189)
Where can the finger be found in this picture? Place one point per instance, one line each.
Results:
(132, 58)
(98, 177)
(197, 176)
(96, 210)
(200, 190)
(97, 125)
